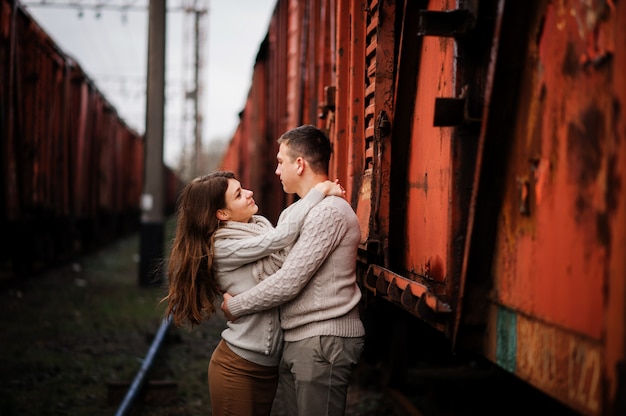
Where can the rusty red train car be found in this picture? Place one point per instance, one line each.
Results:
(483, 146)
(71, 168)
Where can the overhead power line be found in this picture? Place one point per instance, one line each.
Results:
(115, 5)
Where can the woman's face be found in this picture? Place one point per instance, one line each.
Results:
(240, 205)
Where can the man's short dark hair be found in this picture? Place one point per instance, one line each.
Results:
(310, 143)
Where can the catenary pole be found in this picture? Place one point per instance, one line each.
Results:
(152, 199)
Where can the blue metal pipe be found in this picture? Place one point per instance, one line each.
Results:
(138, 382)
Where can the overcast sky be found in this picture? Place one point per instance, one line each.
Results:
(112, 49)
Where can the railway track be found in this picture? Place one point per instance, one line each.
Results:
(438, 383)
(80, 334)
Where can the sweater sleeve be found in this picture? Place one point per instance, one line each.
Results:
(320, 235)
(233, 253)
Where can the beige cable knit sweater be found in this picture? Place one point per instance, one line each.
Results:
(316, 286)
(245, 253)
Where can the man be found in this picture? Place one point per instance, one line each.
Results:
(316, 287)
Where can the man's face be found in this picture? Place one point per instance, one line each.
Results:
(287, 169)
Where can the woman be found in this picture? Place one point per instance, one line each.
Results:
(222, 246)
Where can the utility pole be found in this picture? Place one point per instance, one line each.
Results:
(152, 200)
(197, 115)
(198, 11)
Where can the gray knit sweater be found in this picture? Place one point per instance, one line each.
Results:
(316, 286)
(246, 253)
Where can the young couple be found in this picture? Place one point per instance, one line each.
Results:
(290, 292)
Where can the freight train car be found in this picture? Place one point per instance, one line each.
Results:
(483, 147)
(71, 169)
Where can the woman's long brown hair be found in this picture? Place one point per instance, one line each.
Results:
(192, 285)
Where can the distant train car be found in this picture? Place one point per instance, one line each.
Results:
(483, 148)
(71, 169)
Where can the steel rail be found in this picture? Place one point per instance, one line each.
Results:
(135, 387)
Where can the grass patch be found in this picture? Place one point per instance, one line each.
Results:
(70, 332)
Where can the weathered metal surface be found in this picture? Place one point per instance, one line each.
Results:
(556, 212)
(71, 169)
(372, 102)
(446, 23)
(556, 361)
(481, 144)
(435, 159)
(567, 162)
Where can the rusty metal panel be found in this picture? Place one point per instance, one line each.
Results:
(80, 148)
(483, 157)
(277, 61)
(553, 244)
(558, 362)
(230, 161)
(338, 114)
(135, 176)
(92, 155)
(295, 38)
(430, 173)
(379, 64)
(615, 301)
(105, 149)
(557, 318)
(349, 130)
(57, 162)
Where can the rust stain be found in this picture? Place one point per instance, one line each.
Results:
(584, 147)
(542, 175)
(420, 184)
(560, 364)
